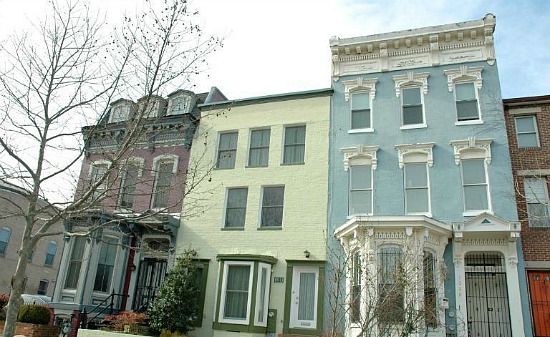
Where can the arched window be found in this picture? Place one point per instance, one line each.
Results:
(5, 234)
(50, 253)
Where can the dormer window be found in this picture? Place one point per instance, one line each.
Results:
(120, 112)
(152, 106)
(180, 103)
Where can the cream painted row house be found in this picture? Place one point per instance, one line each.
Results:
(261, 231)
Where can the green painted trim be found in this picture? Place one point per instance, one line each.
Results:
(320, 297)
(270, 228)
(232, 229)
(238, 328)
(203, 267)
(247, 257)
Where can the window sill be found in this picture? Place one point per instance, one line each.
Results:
(257, 166)
(426, 214)
(366, 130)
(472, 122)
(413, 126)
(270, 228)
(229, 229)
(475, 213)
(224, 168)
(538, 147)
(290, 164)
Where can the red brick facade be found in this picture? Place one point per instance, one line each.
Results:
(530, 162)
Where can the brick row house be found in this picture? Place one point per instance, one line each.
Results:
(134, 213)
(528, 125)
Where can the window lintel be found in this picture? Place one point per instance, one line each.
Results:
(360, 84)
(359, 151)
(165, 157)
(472, 148)
(411, 79)
(465, 73)
(419, 148)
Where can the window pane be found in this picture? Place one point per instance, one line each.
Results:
(272, 206)
(390, 285)
(525, 124)
(528, 140)
(306, 301)
(356, 288)
(412, 115)
(128, 187)
(227, 150)
(411, 96)
(417, 200)
(360, 119)
(360, 101)
(473, 171)
(535, 190)
(236, 294)
(50, 253)
(259, 148)
(430, 290)
(262, 299)
(236, 207)
(5, 234)
(475, 197)
(105, 265)
(360, 202)
(294, 150)
(465, 91)
(467, 110)
(416, 175)
(75, 262)
(163, 184)
(360, 177)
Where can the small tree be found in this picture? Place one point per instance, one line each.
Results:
(176, 307)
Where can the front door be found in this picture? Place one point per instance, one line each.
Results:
(539, 286)
(303, 308)
(151, 275)
(487, 296)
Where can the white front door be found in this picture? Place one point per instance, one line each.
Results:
(305, 288)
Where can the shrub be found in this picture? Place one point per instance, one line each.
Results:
(126, 318)
(34, 313)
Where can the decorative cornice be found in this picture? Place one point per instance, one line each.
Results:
(483, 145)
(411, 78)
(359, 151)
(358, 84)
(465, 73)
(421, 148)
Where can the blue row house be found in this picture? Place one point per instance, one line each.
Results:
(421, 201)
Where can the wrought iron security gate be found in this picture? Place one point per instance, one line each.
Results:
(487, 296)
(539, 286)
(151, 275)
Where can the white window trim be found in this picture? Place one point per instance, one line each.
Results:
(262, 189)
(466, 74)
(224, 216)
(261, 266)
(154, 172)
(137, 161)
(250, 144)
(116, 266)
(98, 163)
(412, 80)
(360, 162)
(474, 149)
(361, 85)
(283, 145)
(535, 125)
(417, 153)
(361, 155)
(226, 265)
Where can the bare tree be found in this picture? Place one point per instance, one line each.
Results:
(388, 293)
(64, 76)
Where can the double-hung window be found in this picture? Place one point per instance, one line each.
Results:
(259, 148)
(75, 262)
(526, 131)
(360, 189)
(235, 209)
(417, 195)
(294, 145)
(227, 150)
(128, 185)
(356, 279)
(391, 285)
(475, 187)
(536, 197)
(360, 111)
(466, 102)
(244, 296)
(413, 113)
(430, 289)
(99, 171)
(106, 264)
(272, 206)
(165, 169)
(5, 234)
(50, 253)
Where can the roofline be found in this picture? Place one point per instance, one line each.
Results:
(527, 100)
(270, 98)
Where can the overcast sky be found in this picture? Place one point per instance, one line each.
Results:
(278, 46)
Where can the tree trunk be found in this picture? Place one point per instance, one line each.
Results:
(15, 296)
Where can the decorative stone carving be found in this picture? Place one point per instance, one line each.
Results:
(368, 152)
(422, 148)
(358, 84)
(465, 73)
(411, 78)
(472, 143)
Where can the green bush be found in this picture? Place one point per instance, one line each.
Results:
(34, 313)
